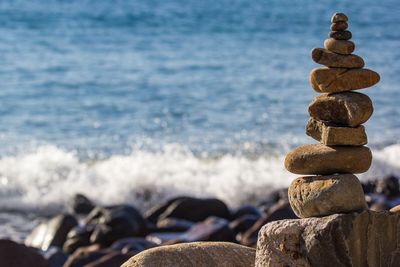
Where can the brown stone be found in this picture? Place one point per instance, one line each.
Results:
(355, 240)
(321, 160)
(325, 57)
(340, 35)
(339, 46)
(395, 209)
(332, 135)
(339, 26)
(325, 80)
(337, 17)
(196, 254)
(313, 196)
(344, 109)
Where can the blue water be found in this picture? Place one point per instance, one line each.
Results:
(95, 94)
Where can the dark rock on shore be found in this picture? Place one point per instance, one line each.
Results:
(79, 236)
(17, 255)
(195, 209)
(81, 205)
(115, 222)
(51, 233)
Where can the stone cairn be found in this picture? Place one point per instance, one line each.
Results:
(337, 115)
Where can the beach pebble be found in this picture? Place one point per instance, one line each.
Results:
(319, 159)
(79, 236)
(195, 209)
(173, 225)
(81, 205)
(325, 195)
(115, 222)
(344, 109)
(132, 244)
(51, 233)
(339, 26)
(17, 255)
(196, 254)
(325, 57)
(340, 35)
(339, 46)
(334, 80)
(332, 135)
(337, 17)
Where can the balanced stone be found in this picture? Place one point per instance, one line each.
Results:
(339, 26)
(330, 59)
(337, 17)
(332, 135)
(340, 35)
(345, 109)
(321, 160)
(313, 196)
(326, 80)
(339, 46)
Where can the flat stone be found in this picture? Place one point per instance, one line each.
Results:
(331, 135)
(330, 59)
(326, 80)
(339, 17)
(319, 159)
(344, 109)
(313, 196)
(339, 46)
(339, 26)
(353, 240)
(196, 254)
(340, 35)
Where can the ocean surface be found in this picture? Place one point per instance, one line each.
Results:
(138, 101)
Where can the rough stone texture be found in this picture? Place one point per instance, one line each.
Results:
(321, 160)
(313, 196)
(339, 26)
(344, 109)
(325, 80)
(325, 57)
(352, 240)
(339, 17)
(340, 35)
(332, 135)
(339, 46)
(197, 254)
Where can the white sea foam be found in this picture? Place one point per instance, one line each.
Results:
(49, 176)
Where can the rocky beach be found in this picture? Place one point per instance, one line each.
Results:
(172, 134)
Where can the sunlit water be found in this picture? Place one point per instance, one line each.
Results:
(138, 101)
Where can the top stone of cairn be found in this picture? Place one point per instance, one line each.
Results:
(338, 17)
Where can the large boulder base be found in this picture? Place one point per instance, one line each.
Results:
(355, 240)
(326, 195)
(323, 160)
(197, 254)
(335, 80)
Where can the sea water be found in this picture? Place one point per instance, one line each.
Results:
(138, 101)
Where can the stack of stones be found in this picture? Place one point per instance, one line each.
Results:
(336, 118)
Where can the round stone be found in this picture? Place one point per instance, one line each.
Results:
(335, 80)
(319, 159)
(326, 195)
(340, 35)
(348, 109)
(339, 17)
(339, 26)
(325, 57)
(339, 46)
